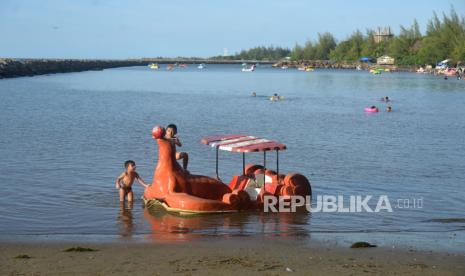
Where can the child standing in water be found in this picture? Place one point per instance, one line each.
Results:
(171, 131)
(126, 179)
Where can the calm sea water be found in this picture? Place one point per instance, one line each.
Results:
(64, 138)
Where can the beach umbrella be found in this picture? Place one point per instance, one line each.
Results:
(366, 59)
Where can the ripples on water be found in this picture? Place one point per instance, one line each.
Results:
(64, 138)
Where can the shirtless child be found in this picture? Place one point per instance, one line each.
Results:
(126, 179)
(171, 131)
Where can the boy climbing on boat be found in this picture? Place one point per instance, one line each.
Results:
(126, 179)
(171, 131)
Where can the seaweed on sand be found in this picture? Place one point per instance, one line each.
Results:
(362, 244)
(80, 249)
(23, 256)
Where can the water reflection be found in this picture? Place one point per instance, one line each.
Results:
(166, 227)
(125, 219)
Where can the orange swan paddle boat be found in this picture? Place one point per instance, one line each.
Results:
(175, 190)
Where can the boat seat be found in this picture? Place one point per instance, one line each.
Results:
(253, 192)
(239, 182)
(260, 180)
(251, 183)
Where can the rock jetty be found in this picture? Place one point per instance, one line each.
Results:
(10, 68)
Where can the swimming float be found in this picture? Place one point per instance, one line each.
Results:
(177, 191)
(376, 71)
(371, 109)
(276, 98)
(153, 66)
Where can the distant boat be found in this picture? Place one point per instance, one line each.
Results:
(306, 68)
(443, 64)
(376, 71)
(201, 66)
(153, 66)
(182, 65)
(249, 69)
(169, 67)
(284, 67)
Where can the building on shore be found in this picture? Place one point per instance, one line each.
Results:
(385, 60)
(382, 34)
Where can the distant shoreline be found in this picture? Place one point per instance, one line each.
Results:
(12, 68)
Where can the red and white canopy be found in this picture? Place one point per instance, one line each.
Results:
(242, 143)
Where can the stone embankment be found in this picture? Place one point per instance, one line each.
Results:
(10, 68)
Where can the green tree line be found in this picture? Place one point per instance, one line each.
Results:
(444, 39)
(259, 53)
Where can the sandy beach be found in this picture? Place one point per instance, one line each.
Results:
(231, 257)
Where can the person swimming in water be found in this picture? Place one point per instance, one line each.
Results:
(389, 109)
(275, 97)
(254, 94)
(385, 99)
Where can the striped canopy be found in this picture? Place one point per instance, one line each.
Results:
(242, 143)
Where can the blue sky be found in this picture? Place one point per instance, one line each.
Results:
(150, 28)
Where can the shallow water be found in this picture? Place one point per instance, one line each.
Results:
(64, 138)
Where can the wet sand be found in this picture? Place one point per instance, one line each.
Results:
(230, 257)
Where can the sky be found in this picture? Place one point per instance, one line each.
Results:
(201, 28)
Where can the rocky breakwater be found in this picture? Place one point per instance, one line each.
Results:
(11, 68)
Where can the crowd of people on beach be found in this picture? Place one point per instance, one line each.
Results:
(459, 74)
